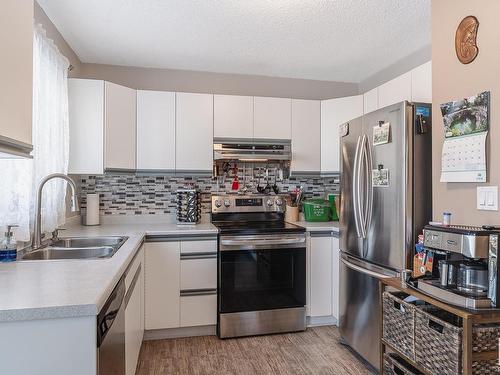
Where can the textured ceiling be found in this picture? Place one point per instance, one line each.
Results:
(335, 40)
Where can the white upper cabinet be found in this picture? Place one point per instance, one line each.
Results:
(335, 112)
(415, 86)
(86, 131)
(306, 135)
(16, 75)
(155, 130)
(233, 116)
(120, 127)
(102, 126)
(272, 118)
(421, 83)
(370, 101)
(394, 91)
(194, 130)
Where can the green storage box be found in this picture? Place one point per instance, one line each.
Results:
(317, 210)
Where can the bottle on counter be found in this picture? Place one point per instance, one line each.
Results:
(8, 247)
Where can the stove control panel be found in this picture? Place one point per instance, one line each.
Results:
(247, 203)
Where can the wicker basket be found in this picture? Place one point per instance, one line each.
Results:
(485, 368)
(395, 365)
(438, 341)
(485, 337)
(399, 323)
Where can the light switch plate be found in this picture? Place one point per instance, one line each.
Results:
(487, 198)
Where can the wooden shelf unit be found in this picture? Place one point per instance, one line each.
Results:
(469, 317)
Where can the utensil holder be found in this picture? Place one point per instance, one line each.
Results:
(292, 214)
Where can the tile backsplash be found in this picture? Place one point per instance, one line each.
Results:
(129, 194)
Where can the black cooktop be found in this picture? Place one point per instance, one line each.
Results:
(256, 227)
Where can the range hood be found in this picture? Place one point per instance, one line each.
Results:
(250, 150)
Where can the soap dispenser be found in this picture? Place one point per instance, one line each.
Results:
(8, 247)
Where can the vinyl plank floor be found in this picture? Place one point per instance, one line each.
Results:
(315, 351)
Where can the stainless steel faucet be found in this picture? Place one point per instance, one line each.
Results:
(37, 235)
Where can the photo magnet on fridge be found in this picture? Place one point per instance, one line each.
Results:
(380, 177)
(381, 133)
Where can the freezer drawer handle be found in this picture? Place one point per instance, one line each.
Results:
(365, 271)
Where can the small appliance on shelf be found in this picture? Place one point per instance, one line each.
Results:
(465, 271)
(188, 206)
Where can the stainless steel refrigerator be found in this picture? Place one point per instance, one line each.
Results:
(386, 180)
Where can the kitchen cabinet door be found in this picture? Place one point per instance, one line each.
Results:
(134, 331)
(198, 310)
(306, 135)
(86, 126)
(394, 91)
(370, 100)
(194, 130)
(335, 112)
(272, 118)
(335, 278)
(233, 116)
(421, 83)
(155, 130)
(162, 291)
(120, 127)
(16, 75)
(321, 275)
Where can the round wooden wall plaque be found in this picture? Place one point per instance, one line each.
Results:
(466, 40)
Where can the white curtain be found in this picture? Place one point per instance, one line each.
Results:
(20, 178)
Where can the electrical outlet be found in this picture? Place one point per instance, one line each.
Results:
(487, 198)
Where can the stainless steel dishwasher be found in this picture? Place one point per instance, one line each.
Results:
(111, 333)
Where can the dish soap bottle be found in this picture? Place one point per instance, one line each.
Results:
(8, 247)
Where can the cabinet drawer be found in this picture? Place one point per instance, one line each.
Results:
(198, 310)
(200, 246)
(198, 272)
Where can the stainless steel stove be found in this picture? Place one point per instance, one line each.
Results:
(261, 266)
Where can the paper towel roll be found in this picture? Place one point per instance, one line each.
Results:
(92, 214)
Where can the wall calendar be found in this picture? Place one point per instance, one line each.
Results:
(466, 124)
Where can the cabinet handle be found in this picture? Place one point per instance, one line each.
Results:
(188, 256)
(197, 292)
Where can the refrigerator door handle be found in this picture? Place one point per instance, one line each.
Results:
(368, 209)
(364, 270)
(362, 207)
(356, 187)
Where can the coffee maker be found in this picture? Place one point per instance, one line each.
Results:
(466, 272)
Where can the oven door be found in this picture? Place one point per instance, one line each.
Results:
(261, 272)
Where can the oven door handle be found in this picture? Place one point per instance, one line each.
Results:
(262, 242)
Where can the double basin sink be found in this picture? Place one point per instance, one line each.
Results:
(77, 248)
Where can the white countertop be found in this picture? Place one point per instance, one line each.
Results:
(69, 288)
(318, 226)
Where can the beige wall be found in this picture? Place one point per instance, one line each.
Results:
(453, 80)
(217, 83)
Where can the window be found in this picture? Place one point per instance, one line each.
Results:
(20, 177)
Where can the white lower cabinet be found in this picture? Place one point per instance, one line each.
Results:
(198, 272)
(198, 310)
(335, 277)
(162, 285)
(323, 275)
(181, 283)
(134, 313)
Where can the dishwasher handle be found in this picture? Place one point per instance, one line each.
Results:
(110, 310)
